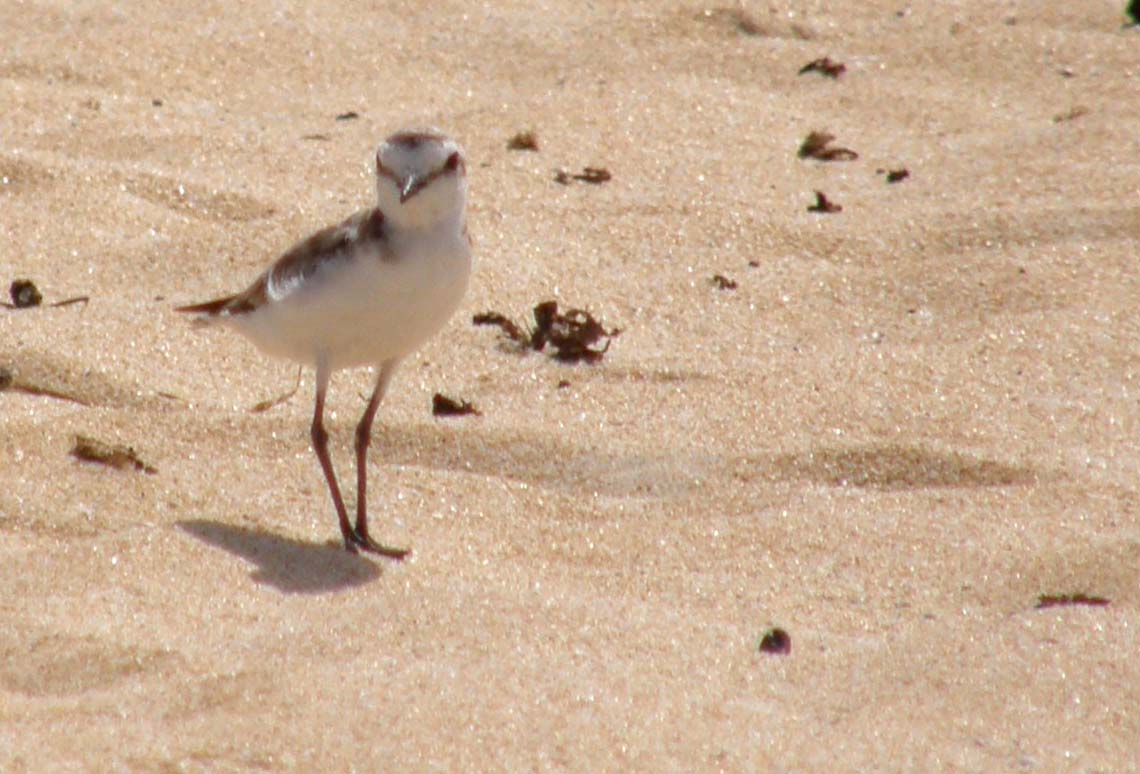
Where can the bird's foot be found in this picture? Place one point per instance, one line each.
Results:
(361, 541)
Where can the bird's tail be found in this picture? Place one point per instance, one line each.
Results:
(208, 312)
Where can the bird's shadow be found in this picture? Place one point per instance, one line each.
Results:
(292, 566)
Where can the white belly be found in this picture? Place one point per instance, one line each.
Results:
(365, 311)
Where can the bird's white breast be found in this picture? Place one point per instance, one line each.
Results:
(373, 305)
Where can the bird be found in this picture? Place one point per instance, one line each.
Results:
(368, 291)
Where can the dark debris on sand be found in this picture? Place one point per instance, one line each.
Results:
(573, 336)
(592, 175)
(443, 406)
(824, 66)
(508, 326)
(523, 141)
(817, 145)
(114, 455)
(1067, 600)
(776, 642)
(24, 294)
(824, 205)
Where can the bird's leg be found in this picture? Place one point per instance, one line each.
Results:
(363, 437)
(321, 446)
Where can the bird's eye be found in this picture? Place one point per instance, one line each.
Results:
(453, 162)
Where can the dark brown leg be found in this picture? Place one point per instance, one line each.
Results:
(363, 438)
(321, 447)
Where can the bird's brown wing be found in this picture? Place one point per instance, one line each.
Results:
(298, 264)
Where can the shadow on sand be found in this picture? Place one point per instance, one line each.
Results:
(286, 564)
(898, 467)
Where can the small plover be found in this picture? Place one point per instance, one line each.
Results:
(366, 292)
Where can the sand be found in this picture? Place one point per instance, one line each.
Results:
(905, 423)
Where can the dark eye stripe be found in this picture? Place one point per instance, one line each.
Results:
(383, 170)
(454, 162)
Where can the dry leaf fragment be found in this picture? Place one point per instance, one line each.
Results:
(115, 455)
(523, 141)
(592, 175)
(824, 66)
(776, 641)
(1059, 600)
(824, 205)
(443, 406)
(815, 146)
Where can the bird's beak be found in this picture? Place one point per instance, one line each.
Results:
(411, 186)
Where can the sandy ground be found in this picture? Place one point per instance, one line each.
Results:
(905, 423)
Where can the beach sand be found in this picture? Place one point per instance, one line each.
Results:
(887, 430)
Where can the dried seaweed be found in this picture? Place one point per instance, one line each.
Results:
(443, 406)
(824, 205)
(573, 335)
(350, 115)
(523, 141)
(817, 146)
(114, 455)
(721, 282)
(897, 175)
(1065, 600)
(509, 328)
(776, 641)
(591, 175)
(824, 66)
